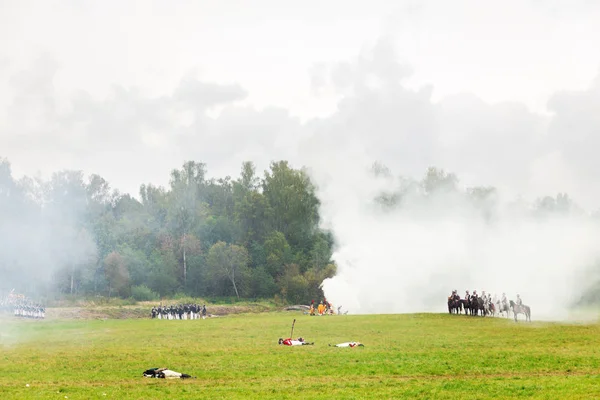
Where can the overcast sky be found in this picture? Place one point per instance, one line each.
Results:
(502, 93)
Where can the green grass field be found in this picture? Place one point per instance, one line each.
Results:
(405, 356)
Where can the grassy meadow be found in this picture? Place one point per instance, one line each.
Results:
(405, 356)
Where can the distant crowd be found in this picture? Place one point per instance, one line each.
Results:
(21, 306)
(179, 311)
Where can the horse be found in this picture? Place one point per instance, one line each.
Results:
(481, 306)
(492, 309)
(471, 306)
(502, 307)
(464, 304)
(454, 305)
(521, 309)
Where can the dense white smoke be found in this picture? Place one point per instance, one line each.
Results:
(409, 257)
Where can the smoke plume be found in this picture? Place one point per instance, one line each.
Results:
(408, 256)
(44, 233)
(508, 222)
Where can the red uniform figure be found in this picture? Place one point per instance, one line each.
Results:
(291, 342)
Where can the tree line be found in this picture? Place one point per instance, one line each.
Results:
(250, 237)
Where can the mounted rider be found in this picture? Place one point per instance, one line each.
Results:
(467, 296)
(519, 301)
(504, 300)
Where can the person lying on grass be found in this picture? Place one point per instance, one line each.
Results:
(348, 344)
(165, 373)
(291, 342)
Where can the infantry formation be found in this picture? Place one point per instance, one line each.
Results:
(21, 306)
(179, 311)
(486, 305)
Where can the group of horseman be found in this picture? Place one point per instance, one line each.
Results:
(475, 304)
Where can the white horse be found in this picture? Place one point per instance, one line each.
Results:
(501, 308)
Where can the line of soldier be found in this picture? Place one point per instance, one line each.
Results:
(30, 311)
(179, 311)
(20, 306)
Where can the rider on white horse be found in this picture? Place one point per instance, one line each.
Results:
(519, 301)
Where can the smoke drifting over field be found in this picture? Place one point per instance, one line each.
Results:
(440, 235)
(42, 232)
(409, 257)
(103, 110)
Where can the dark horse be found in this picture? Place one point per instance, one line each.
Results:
(454, 305)
(481, 307)
(517, 309)
(468, 306)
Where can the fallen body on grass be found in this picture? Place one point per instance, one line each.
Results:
(290, 342)
(165, 373)
(348, 344)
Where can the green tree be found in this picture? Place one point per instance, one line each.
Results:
(116, 273)
(294, 285)
(186, 205)
(229, 261)
(252, 211)
(278, 253)
(292, 198)
(103, 241)
(437, 180)
(320, 253)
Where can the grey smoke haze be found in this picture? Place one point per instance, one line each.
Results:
(448, 85)
(42, 236)
(407, 259)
